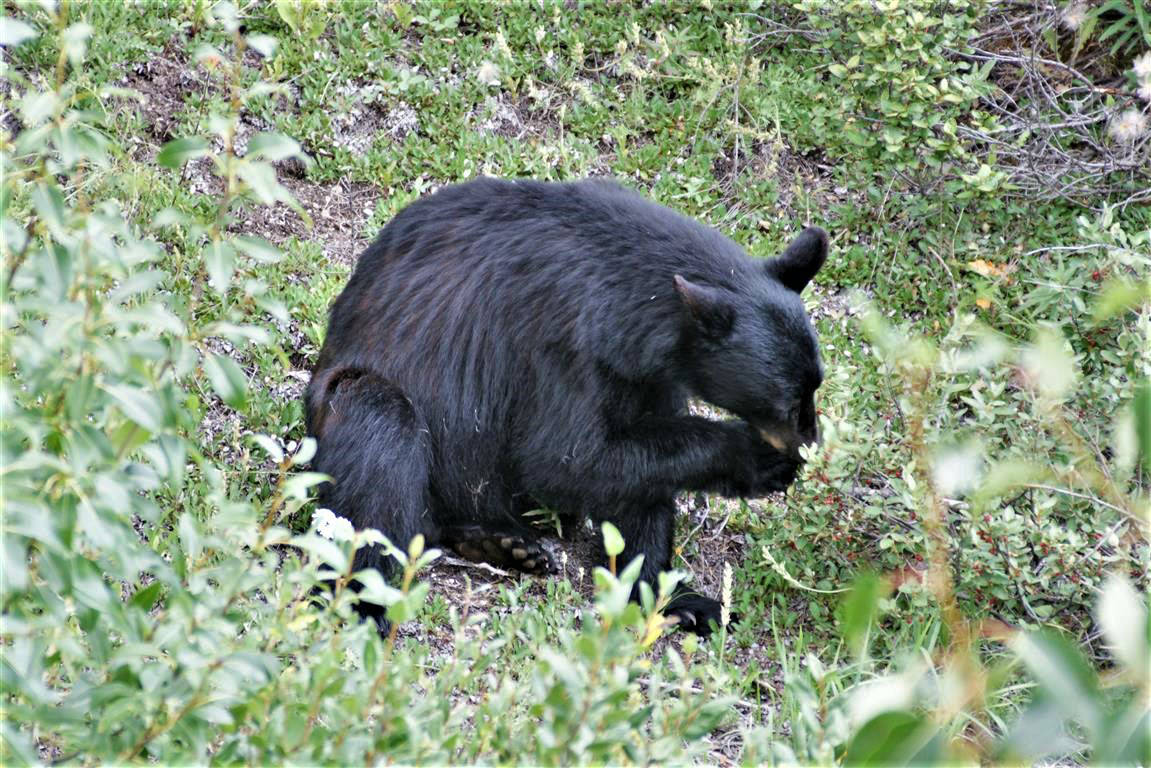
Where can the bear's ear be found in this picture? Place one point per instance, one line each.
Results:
(710, 311)
(798, 264)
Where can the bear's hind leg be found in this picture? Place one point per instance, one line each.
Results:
(373, 444)
(517, 548)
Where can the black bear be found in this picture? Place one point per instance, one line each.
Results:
(507, 345)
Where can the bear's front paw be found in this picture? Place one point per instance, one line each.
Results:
(694, 612)
(737, 473)
(774, 472)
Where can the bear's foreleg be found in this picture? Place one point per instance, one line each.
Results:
(673, 453)
(647, 529)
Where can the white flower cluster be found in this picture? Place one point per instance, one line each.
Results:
(331, 526)
(1128, 126)
(1073, 15)
(1142, 70)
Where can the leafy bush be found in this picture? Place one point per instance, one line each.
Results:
(966, 557)
(898, 92)
(1032, 445)
(921, 712)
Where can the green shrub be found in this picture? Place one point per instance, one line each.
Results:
(1030, 438)
(895, 91)
(943, 706)
(943, 689)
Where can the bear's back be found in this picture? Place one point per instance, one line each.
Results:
(489, 281)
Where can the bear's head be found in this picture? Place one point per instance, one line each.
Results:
(753, 351)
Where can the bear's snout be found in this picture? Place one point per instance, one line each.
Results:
(787, 440)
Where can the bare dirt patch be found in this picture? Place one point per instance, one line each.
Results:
(357, 129)
(164, 82)
(340, 212)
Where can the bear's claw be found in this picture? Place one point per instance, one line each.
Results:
(504, 550)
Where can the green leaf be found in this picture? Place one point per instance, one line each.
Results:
(261, 88)
(708, 718)
(896, 738)
(140, 282)
(146, 598)
(270, 446)
(14, 574)
(1008, 475)
(416, 547)
(1126, 737)
(1122, 615)
(1049, 364)
(89, 587)
(138, 405)
(49, 204)
(261, 179)
(37, 107)
(290, 12)
(1062, 673)
(327, 552)
(305, 452)
(374, 590)
(1117, 297)
(612, 540)
(220, 261)
(265, 45)
(273, 307)
(179, 151)
(1039, 731)
(860, 607)
(18, 744)
(74, 42)
(190, 536)
(214, 713)
(409, 607)
(299, 484)
(1142, 410)
(228, 380)
(168, 455)
(258, 248)
(273, 146)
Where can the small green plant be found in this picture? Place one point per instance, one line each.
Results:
(1033, 443)
(1125, 25)
(941, 704)
(306, 18)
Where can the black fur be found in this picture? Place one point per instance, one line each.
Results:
(508, 345)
